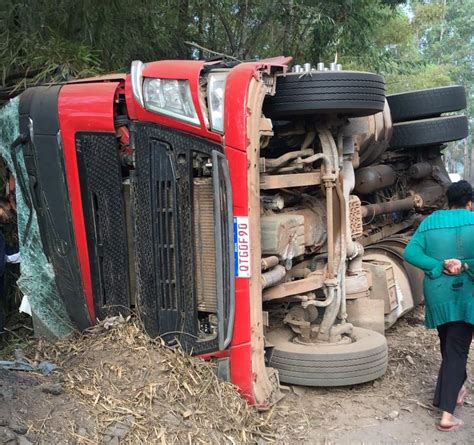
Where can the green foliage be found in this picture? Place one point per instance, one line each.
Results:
(425, 76)
(53, 40)
(415, 44)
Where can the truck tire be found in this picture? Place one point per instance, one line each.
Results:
(422, 104)
(363, 360)
(348, 93)
(432, 131)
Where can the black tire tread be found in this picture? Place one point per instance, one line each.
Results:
(322, 375)
(331, 381)
(359, 362)
(432, 131)
(335, 365)
(422, 104)
(349, 93)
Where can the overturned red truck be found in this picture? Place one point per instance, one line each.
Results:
(255, 215)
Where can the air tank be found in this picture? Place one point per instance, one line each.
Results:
(371, 179)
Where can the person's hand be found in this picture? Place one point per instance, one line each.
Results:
(452, 266)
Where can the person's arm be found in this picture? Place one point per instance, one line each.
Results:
(415, 254)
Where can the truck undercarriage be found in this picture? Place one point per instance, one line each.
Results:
(255, 216)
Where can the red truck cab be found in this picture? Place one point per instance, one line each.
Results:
(223, 201)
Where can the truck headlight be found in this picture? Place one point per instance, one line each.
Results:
(137, 79)
(171, 97)
(215, 99)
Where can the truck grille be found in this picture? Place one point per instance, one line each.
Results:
(166, 244)
(175, 238)
(205, 245)
(104, 217)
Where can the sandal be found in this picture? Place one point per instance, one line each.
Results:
(446, 429)
(461, 396)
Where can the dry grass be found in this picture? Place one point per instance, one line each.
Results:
(165, 396)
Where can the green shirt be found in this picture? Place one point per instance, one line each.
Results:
(443, 235)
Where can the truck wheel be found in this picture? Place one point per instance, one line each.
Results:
(429, 131)
(426, 103)
(363, 360)
(349, 93)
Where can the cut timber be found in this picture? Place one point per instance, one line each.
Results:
(269, 182)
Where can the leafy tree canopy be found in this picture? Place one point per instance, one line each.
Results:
(414, 43)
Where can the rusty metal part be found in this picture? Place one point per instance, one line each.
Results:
(336, 225)
(308, 140)
(372, 135)
(331, 155)
(395, 247)
(399, 205)
(420, 170)
(299, 319)
(313, 158)
(351, 250)
(300, 272)
(383, 282)
(314, 281)
(403, 288)
(330, 225)
(385, 232)
(269, 262)
(268, 164)
(283, 235)
(273, 202)
(318, 303)
(337, 331)
(384, 126)
(272, 182)
(314, 222)
(264, 384)
(336, 285)
(357, 286)
(433, 192)
(309, 334)
(371, 179)
(273, 276)
(355, 216)
(367, 313)
(300, 313)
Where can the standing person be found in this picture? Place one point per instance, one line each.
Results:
(443, 247)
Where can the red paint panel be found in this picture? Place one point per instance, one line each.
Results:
(236, 98)
(241, 371)
(172, 69)
(83, 107)
(236, 144)
(238, 177)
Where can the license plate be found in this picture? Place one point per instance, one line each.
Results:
(241, 247)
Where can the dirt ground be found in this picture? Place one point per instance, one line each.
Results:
(116, 386)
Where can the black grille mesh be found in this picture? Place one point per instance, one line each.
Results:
(162, 202)
(101, 184)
